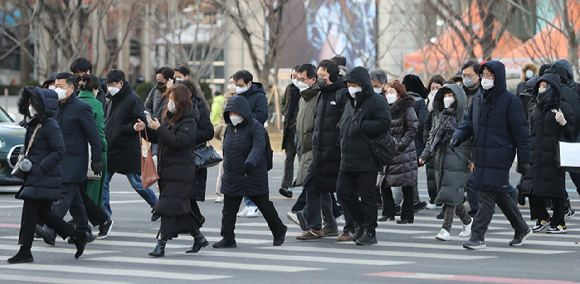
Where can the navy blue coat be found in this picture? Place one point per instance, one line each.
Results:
(497, 122)
(239, 150)
(47, 150)
(257, 101)
(78, 127)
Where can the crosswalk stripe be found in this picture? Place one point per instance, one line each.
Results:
(205, 263)
(378, 252)
(44, 279)
(55, 249)
(151, 273)
(528, 242)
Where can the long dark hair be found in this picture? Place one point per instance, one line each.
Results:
(183, 104)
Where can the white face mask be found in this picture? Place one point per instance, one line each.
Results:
(171, 106)
(447, 102)
(431, 95)
(294, 82)
(51, 87)
(529, 74)
(232, 88)
(541, 90)
(486, 84)
(236, 119)
(391, 98)
(113, 90)
(241, 90)
(178, 80)
(302, 86)
(61, 93)
(352, 91)
(378, 90)
(32, 111)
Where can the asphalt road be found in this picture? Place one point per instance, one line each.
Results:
(404, 253)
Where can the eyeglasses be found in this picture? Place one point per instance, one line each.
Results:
(488, 76)
(472, 76)
(304, 80)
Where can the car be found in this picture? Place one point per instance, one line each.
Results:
(11, 143)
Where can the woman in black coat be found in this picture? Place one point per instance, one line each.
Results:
(42, 183)
(402, 169)
(552, 120)
(175, 137)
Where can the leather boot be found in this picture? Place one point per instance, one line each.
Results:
(23, 255)
(199, 241)
(80, 240)
(159, 250)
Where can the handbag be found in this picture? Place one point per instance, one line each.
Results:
(90, 174)
(148, 172)
(206, 156)
(567, 156)
(23, 164)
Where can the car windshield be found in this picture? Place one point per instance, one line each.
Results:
(4, 117)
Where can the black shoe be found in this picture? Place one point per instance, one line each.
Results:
(199, 242)
(301, 220)
(441, 214)
(154, 215)
(474, 245)
(22, 256)
(285, 192)
(367, 239)
(47, 234)
(90, 238)
(519, 239)
(385, 218)
(398, 210)
(105, 229)
(80, 240)
(223, 243)
(405, 222)
(279, 240)
(419, 206)
(359, 233)
(159, 250)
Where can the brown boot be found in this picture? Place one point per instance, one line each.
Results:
(311, 234)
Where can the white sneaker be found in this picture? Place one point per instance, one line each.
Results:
(431, 206)
(292, 217)
(253, 212)
(466, 232)
(443, 235)
(219, 199)
(244, 212)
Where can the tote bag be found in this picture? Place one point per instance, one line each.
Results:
(148, 172)
(568, 156)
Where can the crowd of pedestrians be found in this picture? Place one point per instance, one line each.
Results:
(467, 131)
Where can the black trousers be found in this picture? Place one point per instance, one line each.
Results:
(407, 210)
(70, 200)
(508, 206)
(352, 185)
(34, 210)
(290, 148)
(231, 207)
(538, 210)
(95, 213)
(300, 202)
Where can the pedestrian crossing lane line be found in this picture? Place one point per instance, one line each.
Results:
(45, 279)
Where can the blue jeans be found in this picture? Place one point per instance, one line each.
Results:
(135, 180)
(249, 202)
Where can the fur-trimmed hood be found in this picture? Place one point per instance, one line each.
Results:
(401, 105)
(44, 101)
(529, 65)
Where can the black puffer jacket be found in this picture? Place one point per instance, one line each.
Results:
(370, 114)
(204, 134)
(325, 164)
(421, 111)
(258, 102)
(47, 150)
(547, 179)
(123, 111)
(176, 164)
(239, 150)
(568, 87)
(402, 169)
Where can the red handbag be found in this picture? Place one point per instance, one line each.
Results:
(148, 172)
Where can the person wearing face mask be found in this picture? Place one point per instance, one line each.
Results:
(176, 137)
(79, 130)
(245, 172)
(256, 96)
(124, 109)
(379, 80)
(497, 124)
(220, 128)
(402, 169)
(289, 109)
(529, 71)
(49, 82)
(155, 102)
(366, 115)
(552, 120)
(451, 167)
(435, 83)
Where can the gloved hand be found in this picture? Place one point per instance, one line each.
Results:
(248, 168)
(454, 142)
(560, 118)
(522, 168)
(97, 167)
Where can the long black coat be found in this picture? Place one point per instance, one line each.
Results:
(205, 133)
(547, 179)
(75, 118)
(421, 111)
(123, 111)
(47, 150)
(176, 163)
(239, 150)
(372, 117)
(325, 164)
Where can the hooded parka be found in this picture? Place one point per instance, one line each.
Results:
(568, 92)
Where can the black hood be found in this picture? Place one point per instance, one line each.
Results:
(238, 104)
(499, 83)
(414, 84)
(563, 69)
(44, 101)
(554, 81)
(360, 76)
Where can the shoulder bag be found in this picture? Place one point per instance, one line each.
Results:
(23, 165)
(148, 172)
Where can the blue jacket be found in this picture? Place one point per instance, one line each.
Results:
(75, 118)
(240, 150)
(497, 122)
(47, 150)
(257, 101)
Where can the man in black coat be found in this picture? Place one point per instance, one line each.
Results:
(365, 113)
(78, 127)
(290, 141)
(124, 109)
(320, 181)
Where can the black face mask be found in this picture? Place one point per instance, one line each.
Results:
(322, 82)
(161, 86)
(545, 98)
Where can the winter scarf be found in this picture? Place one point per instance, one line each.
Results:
(444, 131)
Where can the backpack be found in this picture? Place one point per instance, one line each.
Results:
(268, 152)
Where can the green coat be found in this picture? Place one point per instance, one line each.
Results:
(305, 122)
(95, 187)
